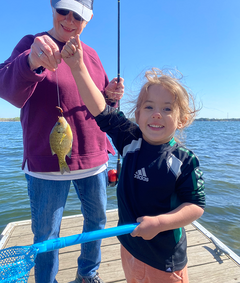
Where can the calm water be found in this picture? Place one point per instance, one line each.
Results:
(217, 145)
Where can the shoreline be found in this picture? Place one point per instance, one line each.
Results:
(17, 119)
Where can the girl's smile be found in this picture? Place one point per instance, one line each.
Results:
(159, 116)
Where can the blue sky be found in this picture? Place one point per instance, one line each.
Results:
(199, 38)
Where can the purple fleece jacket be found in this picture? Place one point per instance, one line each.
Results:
(36, 95)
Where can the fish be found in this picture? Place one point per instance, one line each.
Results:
(61, 139)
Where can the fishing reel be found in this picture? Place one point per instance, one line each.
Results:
(112, 177)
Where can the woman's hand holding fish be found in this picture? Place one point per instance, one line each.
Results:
(44, 53)
(115, 89)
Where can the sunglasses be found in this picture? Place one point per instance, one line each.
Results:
(64, 12)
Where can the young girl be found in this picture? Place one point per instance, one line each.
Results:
(160, 185)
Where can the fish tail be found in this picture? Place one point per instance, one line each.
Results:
(64, 167)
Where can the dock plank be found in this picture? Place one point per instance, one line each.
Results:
(215, 273)
(204, 264)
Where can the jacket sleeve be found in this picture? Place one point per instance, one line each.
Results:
(17, 81)
(190, 184)
(117, 126)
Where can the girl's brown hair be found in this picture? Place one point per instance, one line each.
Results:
(172, 82)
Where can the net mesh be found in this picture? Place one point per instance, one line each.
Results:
(16, 263)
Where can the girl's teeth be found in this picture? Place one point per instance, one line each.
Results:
(156, 126)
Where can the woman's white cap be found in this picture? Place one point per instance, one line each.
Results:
(84, 8)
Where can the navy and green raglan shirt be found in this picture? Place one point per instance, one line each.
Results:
(154, 179)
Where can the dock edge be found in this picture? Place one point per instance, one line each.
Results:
(220, 246)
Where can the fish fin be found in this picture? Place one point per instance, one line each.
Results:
(64, 168)
(53, 152)
(63, 136)
(70, 153)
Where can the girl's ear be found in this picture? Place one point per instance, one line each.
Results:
(181, 123)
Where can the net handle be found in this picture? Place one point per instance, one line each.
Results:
(55, 244)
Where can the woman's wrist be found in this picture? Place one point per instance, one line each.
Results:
(110, 101)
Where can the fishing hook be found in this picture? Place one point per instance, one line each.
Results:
(60, 110)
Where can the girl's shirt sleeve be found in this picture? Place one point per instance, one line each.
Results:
(117, 126)
(190, 183)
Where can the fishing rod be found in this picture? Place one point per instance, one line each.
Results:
(118, 79)
(113, 175)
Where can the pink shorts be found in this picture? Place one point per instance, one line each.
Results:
(137, 271)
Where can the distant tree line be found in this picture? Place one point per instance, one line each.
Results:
(214, 119)
(205, 119)
(16, 119)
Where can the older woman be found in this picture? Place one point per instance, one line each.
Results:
(36, 79)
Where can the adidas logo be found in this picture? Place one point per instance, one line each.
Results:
(141, 175)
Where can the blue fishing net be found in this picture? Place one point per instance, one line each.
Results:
(16, 263)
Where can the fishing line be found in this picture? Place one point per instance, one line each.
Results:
(57, 89)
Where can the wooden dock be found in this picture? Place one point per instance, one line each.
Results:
(205, 264)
